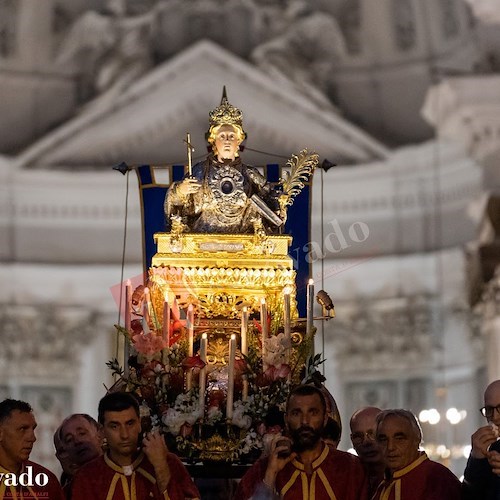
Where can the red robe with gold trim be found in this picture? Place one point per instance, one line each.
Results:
(102, 479)
(51, 491)
(336, 475)
(423, 479)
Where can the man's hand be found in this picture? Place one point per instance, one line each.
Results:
(189, 185)
(276, 462)
(481, 440)
(494, 461)
(156, 450)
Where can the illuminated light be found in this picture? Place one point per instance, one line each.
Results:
(453, 416)
(423, 416)
(441, 450)
(434, 416)
(463, 414)
(467, 450)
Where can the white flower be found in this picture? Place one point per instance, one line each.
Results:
(214, 414)
(275, 352)
(144, 410)
(240, 419)
(173, 420)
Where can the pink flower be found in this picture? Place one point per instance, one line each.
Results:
(148, 344)
(276, 372)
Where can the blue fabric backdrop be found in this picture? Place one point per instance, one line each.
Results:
(152, 196)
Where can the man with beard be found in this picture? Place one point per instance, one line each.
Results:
(301, 466)
(363, 428)
(20, 478)
(131, 469)
(78, 440)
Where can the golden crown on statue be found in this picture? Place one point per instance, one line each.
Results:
(226, 113)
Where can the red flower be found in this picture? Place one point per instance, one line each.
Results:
(257, 325)
(136, 326)
(241, 367)
(193, 362)
(176, 331)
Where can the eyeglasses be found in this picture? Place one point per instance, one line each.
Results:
(488, 411)
(359, 437)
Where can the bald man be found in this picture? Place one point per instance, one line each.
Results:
(363, 425)
(482, 473)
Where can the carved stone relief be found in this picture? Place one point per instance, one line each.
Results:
(50, 406)
(350, 23)
(381, 333)
(488, 308)
(43, 341)
(399, 393)
(405, 29)
(450, 24)
(8, 15)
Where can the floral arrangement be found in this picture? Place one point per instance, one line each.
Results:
(196, 426)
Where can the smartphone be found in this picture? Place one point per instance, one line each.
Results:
(289, 448)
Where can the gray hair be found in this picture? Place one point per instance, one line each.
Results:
(404, 414)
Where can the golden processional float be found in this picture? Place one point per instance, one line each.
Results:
(213, 340)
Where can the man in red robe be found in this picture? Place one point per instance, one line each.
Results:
(20, 478)
(363, 425)
(302, 466)
(125, 471)
(410, 475)
(77, 441)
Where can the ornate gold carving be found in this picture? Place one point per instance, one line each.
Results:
(217, 448)
(206, 246)
(230, 272)
(225, 114)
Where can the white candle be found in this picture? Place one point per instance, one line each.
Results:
(310, 302)
(230, 378)
(263, 324)
(244, 331)
(286, 322)
(147, 302)
(126, 341)
(244, 347)
(166, 320)
(190, 327)
(203, 372)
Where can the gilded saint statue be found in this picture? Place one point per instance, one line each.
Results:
(222, 194)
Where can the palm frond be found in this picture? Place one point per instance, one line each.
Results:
(301, 168)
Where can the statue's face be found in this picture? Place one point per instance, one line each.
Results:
(226, 142)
